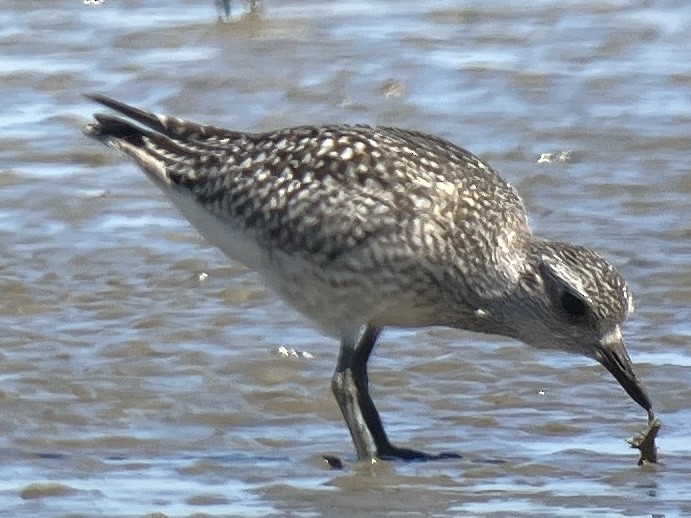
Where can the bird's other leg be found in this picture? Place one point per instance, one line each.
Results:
(351, 387)
(347, 395)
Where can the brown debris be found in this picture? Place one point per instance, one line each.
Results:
(645, 442)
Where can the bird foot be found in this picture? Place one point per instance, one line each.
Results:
(406, 454)
(393, 453)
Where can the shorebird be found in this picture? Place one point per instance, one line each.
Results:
(360, 228)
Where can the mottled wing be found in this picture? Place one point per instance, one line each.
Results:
(324, 192)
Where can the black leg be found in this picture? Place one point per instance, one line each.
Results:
(347, 395)
(350, 386)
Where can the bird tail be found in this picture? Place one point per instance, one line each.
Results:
(157, 143)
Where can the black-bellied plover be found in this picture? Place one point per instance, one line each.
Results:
(360, 228)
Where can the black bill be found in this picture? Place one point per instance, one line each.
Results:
(613, 356)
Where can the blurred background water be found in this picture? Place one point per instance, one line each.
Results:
(140, 370)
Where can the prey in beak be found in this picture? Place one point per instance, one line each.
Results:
(612, 354)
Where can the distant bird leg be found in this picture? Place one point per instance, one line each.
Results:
(223, 7)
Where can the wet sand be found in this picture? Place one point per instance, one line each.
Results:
(140, 370)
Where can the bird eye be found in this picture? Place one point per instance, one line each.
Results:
(574, 306)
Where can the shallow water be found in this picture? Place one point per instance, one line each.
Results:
(140, 370)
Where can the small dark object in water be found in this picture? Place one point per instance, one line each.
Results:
(333, 461)
(645, 442)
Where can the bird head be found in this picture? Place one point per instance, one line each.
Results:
(576, 301)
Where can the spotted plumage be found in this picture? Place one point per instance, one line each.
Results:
(364, 227)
